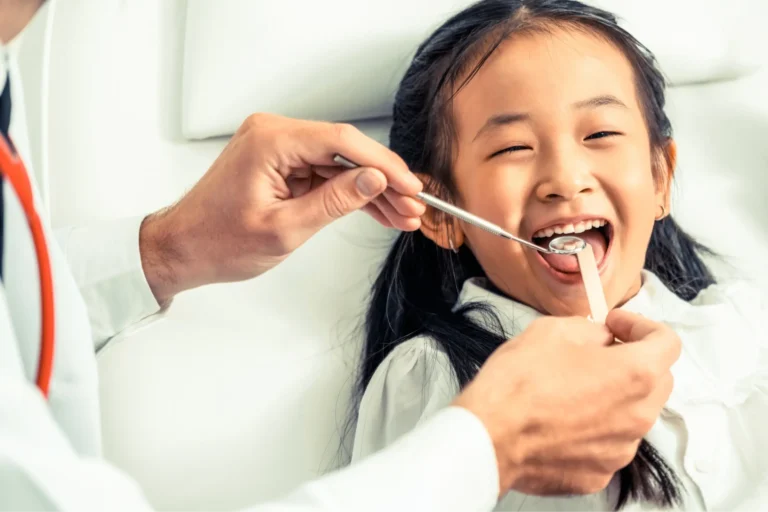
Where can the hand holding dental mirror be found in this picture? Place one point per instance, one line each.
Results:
(563, 245)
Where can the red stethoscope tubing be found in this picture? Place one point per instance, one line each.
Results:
(13, 170)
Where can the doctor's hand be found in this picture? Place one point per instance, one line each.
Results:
(272, 188)
(566, 409)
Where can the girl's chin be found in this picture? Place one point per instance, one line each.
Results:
(569, 301)
(575, 307)
(576, 304)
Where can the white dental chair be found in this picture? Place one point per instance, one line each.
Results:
(238, 393)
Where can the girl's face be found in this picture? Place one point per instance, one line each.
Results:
(551, 139)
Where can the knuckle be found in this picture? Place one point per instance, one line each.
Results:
(265, 128)
(601, 482)
(616, 455)
(592, 483)
(643, 420)
(344, 132)
(624, 456)
(579, 487)
(336, 204)
(257, 120)
(255, 128)
(641, 379)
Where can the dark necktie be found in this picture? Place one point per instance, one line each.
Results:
(5, 122)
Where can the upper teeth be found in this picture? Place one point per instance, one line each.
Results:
(565, 229)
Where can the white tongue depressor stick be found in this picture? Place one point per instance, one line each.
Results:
(592, 284)
(591, 278)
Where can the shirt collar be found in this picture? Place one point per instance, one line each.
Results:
(654, 300)
(4, 65)
(695, 379)
(9, 51)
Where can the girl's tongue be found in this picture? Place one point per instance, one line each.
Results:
(569, 264)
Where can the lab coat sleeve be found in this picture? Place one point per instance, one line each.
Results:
(447, 464)
(106, 263)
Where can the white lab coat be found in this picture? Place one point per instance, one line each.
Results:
(50, 450)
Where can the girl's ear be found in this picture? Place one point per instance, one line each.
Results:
(665, 167)
(442, 229)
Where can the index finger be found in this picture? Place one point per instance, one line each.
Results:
(653, 345)
(656, 354)
(349, 142)
(576, 330)
(585, 331)
(630, 326)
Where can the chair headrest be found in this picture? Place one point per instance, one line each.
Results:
(341, 60)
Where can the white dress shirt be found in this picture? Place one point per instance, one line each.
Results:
(713, 432)
(50, 450)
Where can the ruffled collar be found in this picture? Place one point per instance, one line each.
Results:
(713, 365)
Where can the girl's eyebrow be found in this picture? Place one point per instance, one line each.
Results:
(600, 101)
(498, 120)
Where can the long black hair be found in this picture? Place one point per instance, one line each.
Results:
(418, 287)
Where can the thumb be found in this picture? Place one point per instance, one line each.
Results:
(339, 196)
(628, 326)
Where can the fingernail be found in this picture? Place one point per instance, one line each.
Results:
(368, 184)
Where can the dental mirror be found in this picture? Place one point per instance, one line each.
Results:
(567, 244)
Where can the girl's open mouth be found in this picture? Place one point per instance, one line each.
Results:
(597, 233)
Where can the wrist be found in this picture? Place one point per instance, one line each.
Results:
(162, 257)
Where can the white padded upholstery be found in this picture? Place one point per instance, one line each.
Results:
(314, 59)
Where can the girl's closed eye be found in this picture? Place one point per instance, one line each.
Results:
(511, 149)
(602, 135)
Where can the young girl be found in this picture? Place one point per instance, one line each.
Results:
(545, 117)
